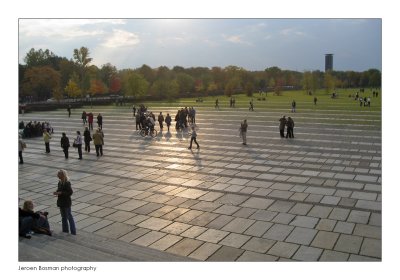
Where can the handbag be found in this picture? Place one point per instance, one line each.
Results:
(75, 145)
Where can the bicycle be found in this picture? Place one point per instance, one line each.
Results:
(146, 131)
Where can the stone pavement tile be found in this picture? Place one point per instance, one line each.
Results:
(103, 212)
(130, 193)
(360, 217)
(176, 228)
(281, 186)
(283, 218)
(347, 202)
(330, 183)
(136, 219)
(262, 192)
(89, 197)
(167, 189)
(212, 235)
(165, 242)
(154, 223)
(191, 193)
(204, 219)
(219, 186)
(101, 199)
(281, 178)
(283, 249)
(90, 209)
(249, 256)
(314, 198)
(364, 195)
(373, 187)
(375, 219)
(120, 216)
(325, 240)
(226, 254)
(192, 183)
(188, 216)
(358, 258)
(281, 206)
(259, 245)
(298, 179)
(304, 221)
(193, 232)
(115, 230)
(234, 188)
(188, 203)
(344, 227)
(238, 181)
(162, 211)
(232, 199)
(320, 190)
(372, 248)
(300, 209)
(130, 205)
(316, 181)
(247, 174)
(238, 225)
(298, 188)
(248, 190)
(263, 215)
(244, 212)
(258, 203)
(259, 184)
(185, 246)
(85, 222)
(204, 251)
(148, 208)
(278, 232)
(149, 238)
(176, 201)
(370, 205)
(368, 231)
(343, 193)
(99, 225)
(280, 194)
(320, 211)
(258, 229)
(172, 215)
(234, 240)
(267, 176)
(339, 214)
(333, 256)
(205, 206)
(220, 222)
(305, 253)
(348, 244)
(299, 196)
(211, 196)
(79, 206)
(158, 198)
(350, 185)
(332, 200)
(365, 178)
(301, 235)
(130, 236)
(226, 209)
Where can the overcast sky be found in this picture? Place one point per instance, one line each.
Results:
(254, 44)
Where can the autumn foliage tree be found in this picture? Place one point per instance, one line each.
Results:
(41, 82)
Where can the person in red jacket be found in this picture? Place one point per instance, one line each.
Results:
(90, 120)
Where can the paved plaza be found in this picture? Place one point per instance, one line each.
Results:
(316, 197)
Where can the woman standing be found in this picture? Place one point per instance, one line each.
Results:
(64, 192)
(87, 138)
(46, 138)
(78, 142)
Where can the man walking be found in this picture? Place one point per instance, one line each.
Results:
(161, 120)
(243, 131)
(282, 123)
(193, 138)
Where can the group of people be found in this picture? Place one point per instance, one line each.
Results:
(97, 138)
(34, 129)
(87, 118)
(289, 124)
(31, 222)
(184, 117)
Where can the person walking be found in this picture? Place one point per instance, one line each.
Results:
(315, 100)
(290, 126)
(134, 110)
(64, 202)
(243, 131)
(65, 144)
(84, 116)
(168, 121)
(21, 147)
(293, 106)
(87, 138)
(282, 124)
(217, 103)
(98, 141)
(46, 138)
(193, 138)
(78, 141)
(251, 107)
(161, 120)
(100, 120)
(90, 120)
(69, 111)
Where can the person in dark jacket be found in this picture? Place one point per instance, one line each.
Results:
(290, 126)
(63, 193)
(282, 123)
(65, 144)
(168, 120)
(161, 120)
(87, 138)
(100, 120)
(31, 221)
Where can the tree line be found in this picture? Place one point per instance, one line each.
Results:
(46, 75)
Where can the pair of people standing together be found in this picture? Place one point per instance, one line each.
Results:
(289, 123)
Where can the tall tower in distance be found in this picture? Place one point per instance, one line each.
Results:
(328, 62)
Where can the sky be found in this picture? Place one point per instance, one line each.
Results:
(252, 43)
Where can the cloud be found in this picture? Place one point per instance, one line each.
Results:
(121, 38)
(291, 32)
(236, 39)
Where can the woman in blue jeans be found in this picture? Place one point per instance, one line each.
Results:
(64, 192)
